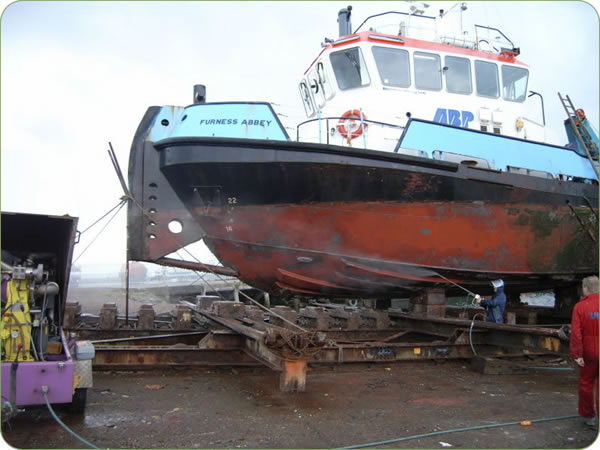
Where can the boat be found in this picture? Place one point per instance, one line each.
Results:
(417, 166)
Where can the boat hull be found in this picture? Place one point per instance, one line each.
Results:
(296, 218)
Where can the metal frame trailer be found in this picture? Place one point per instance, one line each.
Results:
(41, 364)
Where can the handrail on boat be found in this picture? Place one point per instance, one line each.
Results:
(392, 12)
(375, 122)
(420, 16)
(485, 27)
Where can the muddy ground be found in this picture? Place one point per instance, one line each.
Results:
(342, 406)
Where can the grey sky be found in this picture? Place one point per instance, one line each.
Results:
(76, 75)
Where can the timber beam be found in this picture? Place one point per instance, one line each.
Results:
(534, 338)
(276, 348)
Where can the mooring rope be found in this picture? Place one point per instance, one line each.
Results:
(120, 206)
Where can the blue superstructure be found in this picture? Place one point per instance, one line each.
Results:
(499, 151)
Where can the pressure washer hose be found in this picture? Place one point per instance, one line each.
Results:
(471, 331)
(478, 427)
(60, 422)
(455, 284)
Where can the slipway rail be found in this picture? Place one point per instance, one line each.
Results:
(214, 332)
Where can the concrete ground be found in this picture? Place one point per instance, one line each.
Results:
(342, 406)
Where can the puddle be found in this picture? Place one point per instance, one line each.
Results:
(108, 420)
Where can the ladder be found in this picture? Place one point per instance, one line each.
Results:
(580, 132)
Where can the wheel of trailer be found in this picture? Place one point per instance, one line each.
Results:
(77, 405)
(352, 302)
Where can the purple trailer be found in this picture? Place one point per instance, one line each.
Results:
(38, 361)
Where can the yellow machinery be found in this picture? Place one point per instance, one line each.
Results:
(16, 322)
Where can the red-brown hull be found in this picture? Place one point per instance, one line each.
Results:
(379, 248)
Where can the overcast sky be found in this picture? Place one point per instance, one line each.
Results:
(76, 75)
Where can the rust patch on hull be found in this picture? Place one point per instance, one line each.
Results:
(311, 248)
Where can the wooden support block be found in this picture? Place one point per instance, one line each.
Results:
(145, 317)
(430, 296)
(70, 318)
(429, 310)
(287, 313)
(107, 319)
(379, 320)
(204, 302)
(511, 318)
(183, 317)
(532, 318)
(495, 366)
(225, 308)
(429, 302)
(314, 317)
(254, 313)
(293, 376)
(346, 320)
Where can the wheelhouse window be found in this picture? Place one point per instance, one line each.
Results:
(428, 71)
(349, 68)
(316, 87)
(458, 75)
(307, 100)
(486, 79)
(514, 83)
(393, 66)
(324, 81)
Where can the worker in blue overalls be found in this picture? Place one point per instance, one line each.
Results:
(495, 305)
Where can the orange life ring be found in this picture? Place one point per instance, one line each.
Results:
(352, 114)
(580, 114)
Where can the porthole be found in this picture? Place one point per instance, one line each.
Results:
(175, 226)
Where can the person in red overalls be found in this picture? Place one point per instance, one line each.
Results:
(584, 348)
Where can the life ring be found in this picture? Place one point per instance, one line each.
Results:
(351, 114)
(580, 114)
